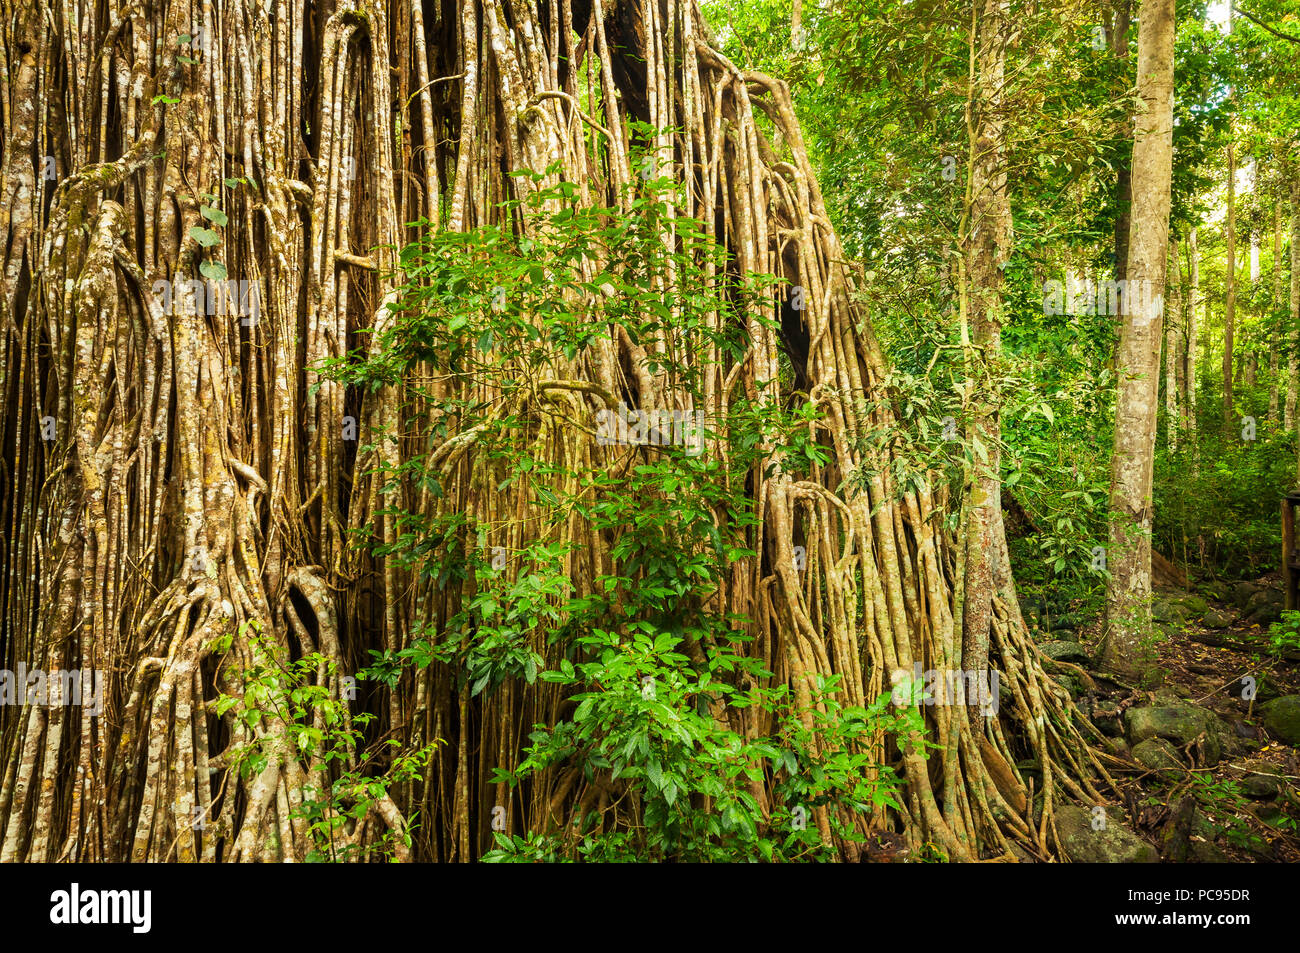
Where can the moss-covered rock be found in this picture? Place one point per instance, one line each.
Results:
(1281, 718)
(1178, 609)
(1157, 754)
(1181, 724)
(1103, 841)
(1062, 650)
(1216, 619)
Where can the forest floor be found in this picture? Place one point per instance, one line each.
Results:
(1206, 756)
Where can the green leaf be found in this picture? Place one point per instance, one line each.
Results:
(205, 236)
(214, 270)
(214, 215)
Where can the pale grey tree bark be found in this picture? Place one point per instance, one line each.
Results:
(1128, 608)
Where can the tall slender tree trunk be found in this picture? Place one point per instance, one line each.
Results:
(1252, 352)
(1128, 591)
(988, 245)
(1290, 317)
(1119, 42)
(1230, 288)
(1193, 333)
(1295, 301)
(1174, 368)
(1278, 339)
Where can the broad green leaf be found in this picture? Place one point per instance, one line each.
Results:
(214, 215)
(214, 270)
(205, 236)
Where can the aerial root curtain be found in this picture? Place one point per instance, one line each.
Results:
(174, 476)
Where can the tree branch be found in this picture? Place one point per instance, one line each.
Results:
(1258, 22)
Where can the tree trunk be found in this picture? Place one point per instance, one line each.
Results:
(1230, 288)
(1128, 591)
(1252, 354)
(988, 245)
(1295, 301)
(1173, 348)
(1275, 324)
(1119, 44)
(1193, 327)
(1286, 337)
